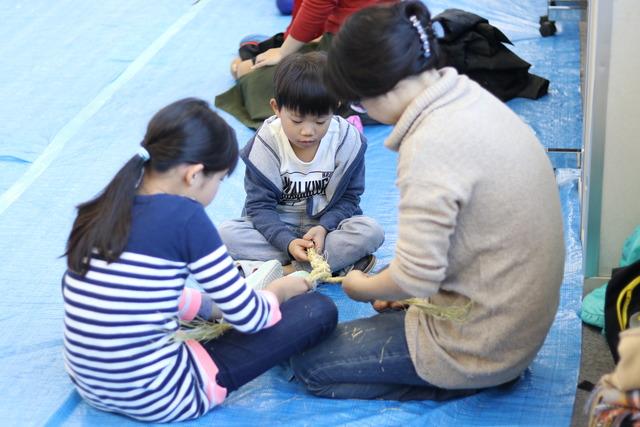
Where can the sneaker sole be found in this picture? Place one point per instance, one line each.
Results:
(372, 263)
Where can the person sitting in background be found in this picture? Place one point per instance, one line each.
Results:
(312, 26)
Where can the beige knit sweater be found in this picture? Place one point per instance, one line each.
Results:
(480, 221)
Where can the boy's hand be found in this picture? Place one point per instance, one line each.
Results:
(316, 235)
(298, 249)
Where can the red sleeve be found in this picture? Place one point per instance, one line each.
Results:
(312, 18)
(309, 18)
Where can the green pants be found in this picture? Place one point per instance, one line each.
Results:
(248, 100)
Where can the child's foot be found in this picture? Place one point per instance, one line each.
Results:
(234, 67)
(261, 273)
(239, 68)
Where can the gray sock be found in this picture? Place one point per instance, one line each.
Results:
(206, 307)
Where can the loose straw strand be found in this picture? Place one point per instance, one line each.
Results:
(200, 330)
(454, 313)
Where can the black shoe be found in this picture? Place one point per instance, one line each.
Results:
(364, 264)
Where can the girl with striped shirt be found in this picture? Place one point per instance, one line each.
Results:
(129, 254)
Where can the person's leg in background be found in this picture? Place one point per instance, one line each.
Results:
(306, 320)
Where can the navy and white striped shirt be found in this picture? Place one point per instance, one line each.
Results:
(120, 318)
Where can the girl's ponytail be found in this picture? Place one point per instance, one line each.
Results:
(103, 223)
(184, 132)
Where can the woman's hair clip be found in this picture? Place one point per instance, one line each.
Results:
(438, 29)
(422, 34)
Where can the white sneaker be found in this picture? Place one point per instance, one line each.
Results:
(247, 267)
(263, 274)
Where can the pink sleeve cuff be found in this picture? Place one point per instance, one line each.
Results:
(189, 304)
(274, 308)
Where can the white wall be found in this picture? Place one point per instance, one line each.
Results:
(611, 181)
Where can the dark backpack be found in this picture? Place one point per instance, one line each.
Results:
(622, 304)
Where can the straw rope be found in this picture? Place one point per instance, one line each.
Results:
(320, 269)
(200, 330)
(321, 272)
(203, 330)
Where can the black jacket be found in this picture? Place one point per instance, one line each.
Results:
(476, 48)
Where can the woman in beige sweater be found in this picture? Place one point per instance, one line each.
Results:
(480, 226)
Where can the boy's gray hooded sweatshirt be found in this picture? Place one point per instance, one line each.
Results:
(263, 182)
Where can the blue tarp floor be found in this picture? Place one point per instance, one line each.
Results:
(79, 82)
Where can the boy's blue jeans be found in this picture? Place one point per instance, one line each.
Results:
(367, 359)
(354, 238)
(306, 320)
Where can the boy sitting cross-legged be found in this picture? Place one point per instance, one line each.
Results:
(304, 178)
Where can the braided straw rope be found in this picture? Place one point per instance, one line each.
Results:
(203, 330)
(320, 269)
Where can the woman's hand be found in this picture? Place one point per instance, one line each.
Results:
(381, 286)
(288, 287)
(298, 249)
(380, 305)
(355, 286)
(270, 57)
(316, 235)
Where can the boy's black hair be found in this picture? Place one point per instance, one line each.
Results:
(377, 47)
(299, 86)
